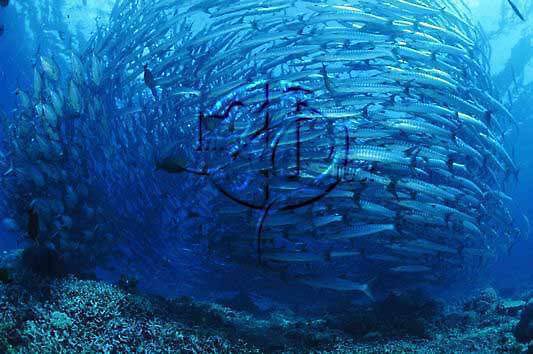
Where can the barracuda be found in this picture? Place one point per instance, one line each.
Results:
(406, 52)
(326, 220)
(374, 209)
(343, 254)
(472, 228)
(246, 6)
(416, 9)
(439, 47)
(411, 269)
(338, 285)
(344, 13)
(292, 257)
(355, 55)
(417, 127)
(443, 212)
(500, 150)
(356, 174)
(256, 10)
(449, 34)
(378, 154)
(436, 247)
(425, 188)
(295, 51)
(364, 88)
(418, 37)
(469, 151)
(217, 34)
(346, 33)
(421, 78)
(362, 230)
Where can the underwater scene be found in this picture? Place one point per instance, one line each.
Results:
(266, 176)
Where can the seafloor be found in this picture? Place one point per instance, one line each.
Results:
(39, 315)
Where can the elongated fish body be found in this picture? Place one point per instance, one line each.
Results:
(326, 220)
(363, 230)
(24, 100)
(339, 285)
(49, 68)
(411, 269)
(422, 78)
(77, 68)
(355, 55)
(47, 114)
(96, 72)
(74, 98)
(292, 257)
(345, 13)
(378, 154)
(415, 8)
(37, 84)
(56, 101)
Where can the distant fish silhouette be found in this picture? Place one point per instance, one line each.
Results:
(149, 80)
(516, 11)
(2, 28)
(33, 225)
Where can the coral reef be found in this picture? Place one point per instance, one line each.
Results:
(39, 314)
(524, 329)
(90, 316)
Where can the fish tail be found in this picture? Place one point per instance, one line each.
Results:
(154, 93)
(367, 289)
(368, 292)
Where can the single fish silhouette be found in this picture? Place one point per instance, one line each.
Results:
(149, 80)
(33, 225)
(516, 11)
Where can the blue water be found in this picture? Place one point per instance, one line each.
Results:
(157, 250)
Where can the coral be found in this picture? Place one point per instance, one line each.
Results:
(73, 315)
(511, 307)
(5, 329)
(406, 314)
(59, 320)
(90, 316)
(524, 330)
(485, 302)
(242, 302)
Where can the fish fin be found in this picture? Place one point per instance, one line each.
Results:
(391, 188)
(411, 151)
(367, 290)
(154, 93)
(357, 200)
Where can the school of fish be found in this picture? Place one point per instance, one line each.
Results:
(341, 140)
